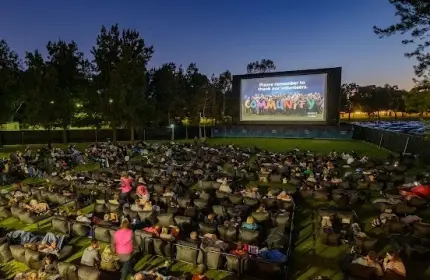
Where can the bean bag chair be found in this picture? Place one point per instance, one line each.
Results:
(33, 259)
(404, 209)
(249, 236)
(80, 229)
(183, 201)
(4, 212)
(261, 217)
(216, 185)
(100, 206)
(236, 199)
(68, 271)
(201, 204)
(88, 273)
(276, 178)
(306, 193)
(345, 217)
(417, 202)
(251, 202)
(392, 226)
(329, 238)
(228, 234)
(144, 242)
(159, 189)
(321, 196)
(188, 252)
(221, 195)
(206, 185)
(362, 185)
(277, 238)
(421, 229)
(270, 203)
(219, 210)
(18, 253)
(5, 253)
(147, 216)
(183, 223)
(165, 219)
(375, 186)
(162, 248)
(30, 218)
(282, 220)
(16, 211)
(366, 244)
(251, 176)
(102, 234)
(61, 225)
(113, 207)
(207, 228)
(417, 252)
(213, 257)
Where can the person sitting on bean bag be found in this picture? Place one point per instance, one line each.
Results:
(250, 223)
(142, 191)
(109, 260)
(384, 217)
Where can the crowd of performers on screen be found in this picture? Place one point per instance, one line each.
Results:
(296, 104)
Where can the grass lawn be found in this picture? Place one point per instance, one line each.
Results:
(309, 258)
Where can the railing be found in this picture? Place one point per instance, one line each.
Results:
(394, 141)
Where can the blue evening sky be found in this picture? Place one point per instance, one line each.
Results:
(220, 35)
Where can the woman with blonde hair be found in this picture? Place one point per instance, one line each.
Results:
(123, 244)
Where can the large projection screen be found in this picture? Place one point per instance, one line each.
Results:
(292, 98)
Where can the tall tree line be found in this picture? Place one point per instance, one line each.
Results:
(115, 87)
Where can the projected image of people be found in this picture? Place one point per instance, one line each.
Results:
(291, 98)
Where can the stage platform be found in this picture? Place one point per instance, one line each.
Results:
(343, 132)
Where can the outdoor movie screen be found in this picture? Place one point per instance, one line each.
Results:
(284, 98)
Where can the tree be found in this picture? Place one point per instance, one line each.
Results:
(120, 59)
(39, 84)
(165, 88)
(196, 92)
(394, 100)
(67, 69)
(224, 86)
(349, 97)
(418, 99)
(414, 18)
(262, 66)
(11, 96)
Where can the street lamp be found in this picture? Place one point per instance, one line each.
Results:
(172, 126)
(111, 101)
(52, 102)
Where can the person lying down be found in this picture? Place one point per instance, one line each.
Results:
(35, 206)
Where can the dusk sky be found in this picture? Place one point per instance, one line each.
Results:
(220, 35)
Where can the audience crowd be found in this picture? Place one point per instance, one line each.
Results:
(208, 197)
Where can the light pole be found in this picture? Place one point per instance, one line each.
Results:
(172, 126)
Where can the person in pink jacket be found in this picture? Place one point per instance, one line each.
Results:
(123, 244)
(126, 182)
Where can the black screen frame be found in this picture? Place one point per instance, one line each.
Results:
(332, 102)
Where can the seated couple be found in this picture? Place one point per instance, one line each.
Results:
(391, 264)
